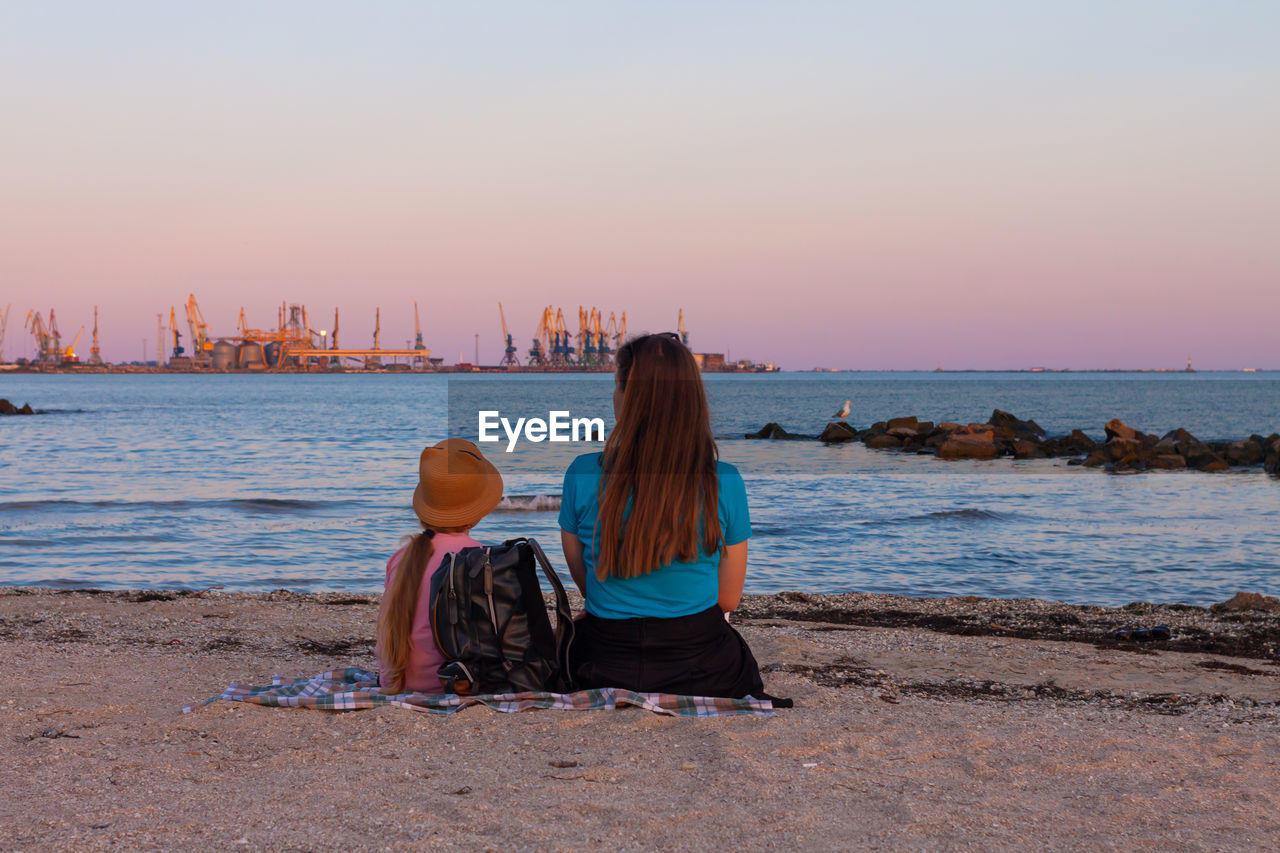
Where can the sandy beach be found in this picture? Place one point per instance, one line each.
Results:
(943, 724)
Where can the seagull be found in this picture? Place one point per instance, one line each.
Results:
(844, 410)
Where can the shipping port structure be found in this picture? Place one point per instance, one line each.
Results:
(188, 344)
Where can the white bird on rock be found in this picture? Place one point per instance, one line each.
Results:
(844, 410)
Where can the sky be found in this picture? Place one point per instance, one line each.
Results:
(817, 183)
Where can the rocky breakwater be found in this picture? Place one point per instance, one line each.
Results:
(1128, 449)
(1005, 435)
(7, 408)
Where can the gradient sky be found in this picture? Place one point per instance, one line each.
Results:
(847, 184)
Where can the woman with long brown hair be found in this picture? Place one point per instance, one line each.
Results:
(655, 532)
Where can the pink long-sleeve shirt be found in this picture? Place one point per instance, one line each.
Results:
(424, 658)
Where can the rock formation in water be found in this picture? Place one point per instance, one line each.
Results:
(1125, 448)
(7, 408)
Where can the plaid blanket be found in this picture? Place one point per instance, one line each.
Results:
(352, 689)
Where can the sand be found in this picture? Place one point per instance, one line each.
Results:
(1004, 726)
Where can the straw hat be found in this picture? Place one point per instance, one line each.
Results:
(457, 486)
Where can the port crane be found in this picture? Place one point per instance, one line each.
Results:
(562, 351)
(604, 353)
(4, 323)
(48, 341)
(69, 354)
(417, 328)
(684, 333)
(95, 355)
(418, 345)
(201, 346)
(508, 354)
(542, 347)
(586, 349)
(177, 336)
(621, 331)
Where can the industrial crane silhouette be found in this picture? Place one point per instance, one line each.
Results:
(508, 354)
(95, 355)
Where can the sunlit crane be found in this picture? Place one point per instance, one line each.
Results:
(604, 353)
(608, 339)
(177, 336)
(586, 347)
(334, 340)
(508, 354)
(684, 333)
(201, 346)
(48, 342)
(562, 352)
(4, 322)
(418, 345)
(95, 355)
(542, 347)
(69, 354)
(620, 333)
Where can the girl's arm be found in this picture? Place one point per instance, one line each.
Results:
(733, 574)
(572, 546)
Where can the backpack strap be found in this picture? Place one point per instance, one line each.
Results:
(564, 614)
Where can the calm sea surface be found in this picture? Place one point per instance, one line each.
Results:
(303, 482)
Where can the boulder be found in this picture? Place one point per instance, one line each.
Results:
(1179, 435)
(838, 431)
(1027, 449)
(877, 428)
(884, 442)
(1245, 453)
(1117, 428)
(7, 408)
(1122, 447)
(936, 437)
(1197, 454)
(769, 430)
(1249, 601)
(26, 409)
(1011, 428)
(1169, 461)
(1097, 457)
(1129, 462)
(1214, 465)
(1070, 445)
(976, 441)
(899, 423)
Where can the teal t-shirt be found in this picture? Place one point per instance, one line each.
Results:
(675, 589)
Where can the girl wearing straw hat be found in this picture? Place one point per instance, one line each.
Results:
(457, 487)
(655, 533)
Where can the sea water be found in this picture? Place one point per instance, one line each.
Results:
(303, 482)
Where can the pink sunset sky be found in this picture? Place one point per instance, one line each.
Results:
(985, 185)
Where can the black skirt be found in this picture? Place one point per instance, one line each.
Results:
(697, 655)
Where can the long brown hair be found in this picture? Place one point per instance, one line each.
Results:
(400, 605)
(661, 457)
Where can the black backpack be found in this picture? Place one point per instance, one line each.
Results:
(490, 621)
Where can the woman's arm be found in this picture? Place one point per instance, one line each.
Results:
(733, 574)
(572, 546)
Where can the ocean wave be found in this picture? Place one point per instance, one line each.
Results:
(529, 503)
(966, 514)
